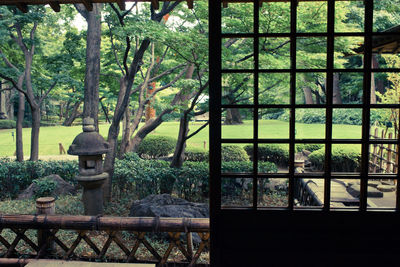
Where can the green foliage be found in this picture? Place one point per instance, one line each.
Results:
(196, 154)
(276, 153)
(16, 176)
(344, 158)
(308, 147)
(233, 153)
(45, 187)
(7, 124)
(155, 146)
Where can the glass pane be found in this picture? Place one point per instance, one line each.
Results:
(385, 118)
(347, 123)
(237, 53)
(386, 14)
(348, 87)
(273, 123)
(346, 158)
(237, 123)
(385, 88)
(383, 158)
(311, 53)
(274, 53)
(237, 192)
(382, 193)
(311, 156)
(349, 16)
(273, 158)
(277, 154)
(345, 193)
(272, 192)
(237, 18)
(310, 88)
(309, 192)
(237, 158)
(275, 17)
(348, 52)
(310, 123)
(312, 16)
(237, 88)
(274, 88)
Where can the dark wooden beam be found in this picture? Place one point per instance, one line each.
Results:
(23, 7)
(55, 6)
(225, 4)
(88, 4)
(155, 4)
(190, 4)
(121, 4)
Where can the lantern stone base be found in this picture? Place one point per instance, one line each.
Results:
(92, 193)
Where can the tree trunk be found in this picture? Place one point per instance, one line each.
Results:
(35, 133)
(179, 153)
(308, 95)
(74, 114)
(374, 64)
(233, 116)
(92, 75)
(20, 119)
(337, 97)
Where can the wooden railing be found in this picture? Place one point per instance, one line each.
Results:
(383, 157)
(43, 236)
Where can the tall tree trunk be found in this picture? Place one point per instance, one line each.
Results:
(233, 116)
(92, 75)
(179, 153)
(20, 119)
(374, 64)
(308, 95)
(35, 133)
(73, 115)
(337, 97)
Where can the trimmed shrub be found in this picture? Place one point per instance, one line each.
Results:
(155, 146)
(196, 154)
(7, 124)
(233, 153)
(309, 147)
(276, 153)
(45, 187)
(344, 158)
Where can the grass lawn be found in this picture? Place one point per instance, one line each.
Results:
(51, 136)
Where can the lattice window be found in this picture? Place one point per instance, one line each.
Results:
(300, 62)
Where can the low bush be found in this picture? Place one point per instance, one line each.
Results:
(154, 146)
(16, 176)
(196, 154)
(344, 158)
(276, 153)
(45, 187)
(233, 153)
(308, 147)
(7, 124)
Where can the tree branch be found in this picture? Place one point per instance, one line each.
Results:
(8, 63)
(197, 131)
(47, 92)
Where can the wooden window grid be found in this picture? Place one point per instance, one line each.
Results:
(216, 140)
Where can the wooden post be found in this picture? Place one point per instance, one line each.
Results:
(389, 161)
(374, 155)
(381, 154)
(46, 206)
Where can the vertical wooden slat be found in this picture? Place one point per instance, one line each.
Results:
(88, 5)
(389, 162)
(55, 6)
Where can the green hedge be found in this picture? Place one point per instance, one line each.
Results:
(344, 158)
(154, 146)
(7, 124)
(132, 175)
(276, 153)
(308, 147)
(233, 153)
(196, 154)
(16, 176)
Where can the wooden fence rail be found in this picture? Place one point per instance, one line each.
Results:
(128, 233)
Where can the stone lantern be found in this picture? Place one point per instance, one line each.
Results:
(90, 146)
